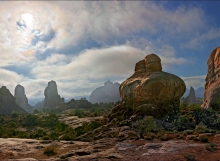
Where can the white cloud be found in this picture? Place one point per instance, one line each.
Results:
(210, 34)
(194, 81)
(10, 79)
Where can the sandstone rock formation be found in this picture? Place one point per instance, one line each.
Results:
(52, 99)
(107, 93)
(21, 99)
(191, 98)
(8, 103)
(149, 91)
(212, 85)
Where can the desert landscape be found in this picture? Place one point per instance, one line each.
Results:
(109, 80)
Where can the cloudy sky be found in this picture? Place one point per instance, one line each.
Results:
(80, 45)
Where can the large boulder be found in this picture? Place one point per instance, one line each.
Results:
(212, 85)
(191, 98)
(149, 91)
(107, 93)
(52, 99)
(8, 103)
(21, 99)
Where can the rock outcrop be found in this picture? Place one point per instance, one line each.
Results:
(107, 93)
(21, 99)
(191, 98)
(52, 99)
(149, 91)
(8, 103)
(212, 85)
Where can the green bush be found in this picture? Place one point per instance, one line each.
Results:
(182, 123)
(188, 132)
(200, 128)
(30, 121)
(14, 114)
(50, 151)
(190, 157)
(211, 146)
(145, 125)
(204, 139)
(207, 116)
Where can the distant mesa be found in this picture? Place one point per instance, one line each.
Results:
(149, 91)
(107, 93)
(21, 99)
(8, 102)
(212, 85)
(52, 98)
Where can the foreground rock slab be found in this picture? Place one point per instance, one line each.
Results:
(106, 149)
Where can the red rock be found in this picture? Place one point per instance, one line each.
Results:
(212, 85)
(150, 87)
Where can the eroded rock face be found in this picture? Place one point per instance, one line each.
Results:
(150, 90)
(191, 98)
(107, 93)
(52, 99)
(212, 85)
(21, 99)
(8, 103)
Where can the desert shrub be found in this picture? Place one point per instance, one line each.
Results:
(46, 138)
(182, 123)
(2, 119)
(50, 151)
(30, 121)
(14, 114)
(188, 132)
(200, 128)
(49, 121)
(149, 136)
(60, 127)
(211, 146)
(145, 125)
(190, 157)
(53, 136)
(204, 139)
(37, 133)
(22, 134)
(86, 127)
(12, 124)
(79, 112)
(207, 116)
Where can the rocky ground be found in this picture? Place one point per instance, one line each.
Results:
(75, 122)
(109, 149)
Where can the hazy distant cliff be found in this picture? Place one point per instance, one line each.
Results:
(107, 93)
(8, 103)
(21, 99)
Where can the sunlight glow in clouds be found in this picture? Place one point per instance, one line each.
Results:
(81, 44)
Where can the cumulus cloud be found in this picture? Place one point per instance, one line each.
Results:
(10, 79)
(124, 32)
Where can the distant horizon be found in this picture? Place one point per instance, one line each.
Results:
(81, 44)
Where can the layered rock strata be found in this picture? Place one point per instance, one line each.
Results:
(107, 93)
(21, 99)
(149, 91)
(212, 85)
